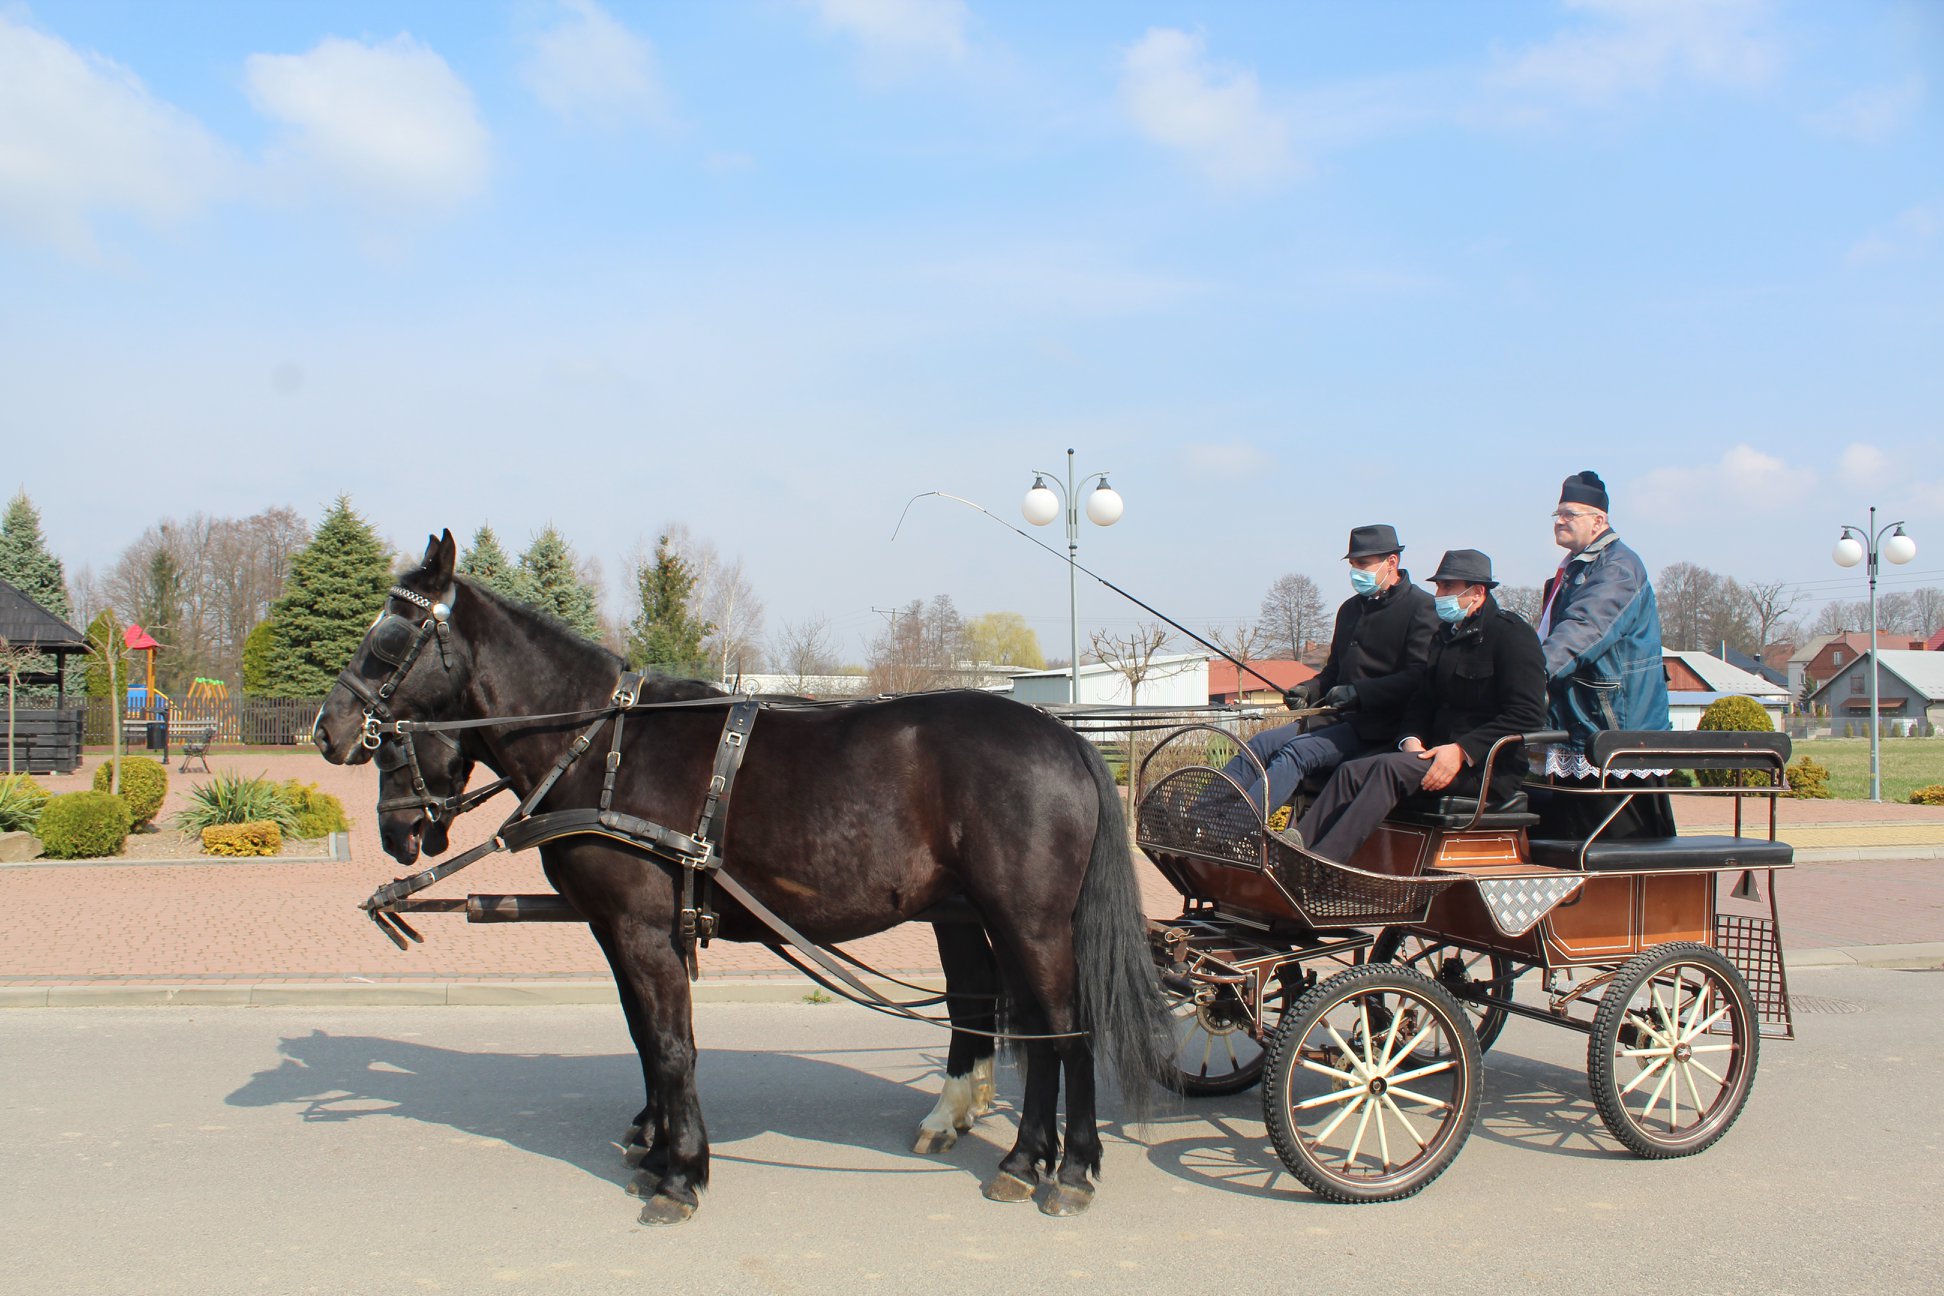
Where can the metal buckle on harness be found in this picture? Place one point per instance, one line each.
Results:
(371, 737)
(716, 784)
(734, 738)
(613, 760)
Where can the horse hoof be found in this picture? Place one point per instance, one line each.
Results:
(666, 1210)
(1064, 1199)
(643, 1184)
(1008, 1187)
(931, 1141)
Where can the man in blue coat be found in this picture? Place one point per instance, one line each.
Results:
(1600, 631)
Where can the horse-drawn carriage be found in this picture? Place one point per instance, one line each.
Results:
(1362, 995)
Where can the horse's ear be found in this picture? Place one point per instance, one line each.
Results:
(441, 558)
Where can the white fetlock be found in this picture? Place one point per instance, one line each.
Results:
(983, 1091)
(953, 1115)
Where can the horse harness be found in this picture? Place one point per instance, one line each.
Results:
(697, 855)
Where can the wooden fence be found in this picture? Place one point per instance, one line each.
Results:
(237, 722)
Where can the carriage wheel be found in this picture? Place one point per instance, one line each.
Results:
(1452, 968)
(1215, 1052)
(1372, 1085)
(1673, 1052)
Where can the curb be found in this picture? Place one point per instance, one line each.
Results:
(541, 994)
(337, 851)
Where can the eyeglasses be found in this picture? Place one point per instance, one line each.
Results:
(1569, 515)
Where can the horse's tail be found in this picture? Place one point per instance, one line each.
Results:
(1119, 999)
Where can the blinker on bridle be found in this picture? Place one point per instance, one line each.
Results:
(398, 642)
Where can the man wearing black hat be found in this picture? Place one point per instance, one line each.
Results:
(1485, 680)
(1382, 637)
(1601, 632)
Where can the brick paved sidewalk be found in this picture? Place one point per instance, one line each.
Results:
(258, 923)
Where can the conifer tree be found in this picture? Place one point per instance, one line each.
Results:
(553, 584)
(26, 565)
(259, 648)
(486, 562)
(99, 629)
(665, 633)
(337, 584)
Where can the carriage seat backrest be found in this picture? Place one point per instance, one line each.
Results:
(1708, 749)
(1430, 810)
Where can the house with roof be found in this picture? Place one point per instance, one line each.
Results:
(1252, 689)
(1910, 693)
(1829, 654)
(1173, 680)
(1696, 680)
(46, 740)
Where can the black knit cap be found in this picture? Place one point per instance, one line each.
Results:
(1584, 488)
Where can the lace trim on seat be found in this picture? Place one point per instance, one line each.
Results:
(1566, 762)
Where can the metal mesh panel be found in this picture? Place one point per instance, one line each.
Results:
(1198, 811)
(1331, 894)
(1754, 947)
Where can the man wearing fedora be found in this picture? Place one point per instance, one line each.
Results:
(1486, 679)
(1377, 651)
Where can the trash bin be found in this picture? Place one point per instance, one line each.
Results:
(158, 737)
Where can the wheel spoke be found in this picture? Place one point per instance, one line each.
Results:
(1422, 1071)
(1653, 1100)
(1390, 1039)
(1703, 995)
(1713, 1017)
(1644, 1073)
(1410, 1048)
(1320, 1069)
(1324, 1100)
(1416, 1097)
(1363, 1016)
(1343, 1115)
(1383, 1137)
(1356, 1144)
(1405, 1121)
(1228, 1042)
(1348, 1052)
(1703, 1069)
(1687, 1074)
(1713, 1048)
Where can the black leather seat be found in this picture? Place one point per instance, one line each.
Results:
(1664, 853)
(1429, 810)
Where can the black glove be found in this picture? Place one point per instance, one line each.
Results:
(1300, 697)
(1341, 698)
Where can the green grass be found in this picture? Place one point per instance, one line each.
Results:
(1908, 764)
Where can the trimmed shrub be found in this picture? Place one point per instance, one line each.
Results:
(234, 799)
(1738, 714)
(144, 783)
(83, 825)
(317, 813)
(1932, 795)
(258, 838)
(21, 800)
(1809, 781)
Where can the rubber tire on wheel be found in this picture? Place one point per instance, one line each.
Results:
(1608, 1073)
(1405, 989)
(1486, 1022)
(1250, 1056)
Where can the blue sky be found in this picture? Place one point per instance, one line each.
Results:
(771, 268)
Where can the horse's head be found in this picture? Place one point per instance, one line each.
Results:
(411, 665)
(420, 780)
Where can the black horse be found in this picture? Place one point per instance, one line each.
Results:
(846, 821)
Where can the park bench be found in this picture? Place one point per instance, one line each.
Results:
(195, 745)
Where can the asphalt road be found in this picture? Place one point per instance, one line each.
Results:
(466, 1149)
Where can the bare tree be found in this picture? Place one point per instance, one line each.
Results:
(106, 645)
(1291, 614)
(1242, 641)
(804, 649)
(920, 648)
(1702, 610)
(1521, 600)
(731, 606)
(1839, 617)
(1131, 656)
(1928, 606)
(1770, 602)
(14, 662)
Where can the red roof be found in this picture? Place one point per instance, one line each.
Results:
(138, 639)
(1285, 674)
(1936, 642)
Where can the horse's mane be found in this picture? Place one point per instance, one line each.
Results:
(668, 688)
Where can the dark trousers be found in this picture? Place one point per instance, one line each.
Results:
(1288, 756)
(1356, 799)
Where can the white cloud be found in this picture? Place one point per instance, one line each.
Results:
(80, 135)
(391, 124)
(1743, 476)
(1906, 237)
(589, 66)
(1872, 115)
(1214, 116)
(895, 35)
(1635, 46)
(1864, 465)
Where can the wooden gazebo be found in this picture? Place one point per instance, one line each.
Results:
(45, 741)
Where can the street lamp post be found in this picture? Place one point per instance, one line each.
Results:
(1856, 544)
(1042, 505)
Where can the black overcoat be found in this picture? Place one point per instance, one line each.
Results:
(1380, 645)
(1486, 679)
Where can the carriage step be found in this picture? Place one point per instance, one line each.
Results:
(499, 908)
